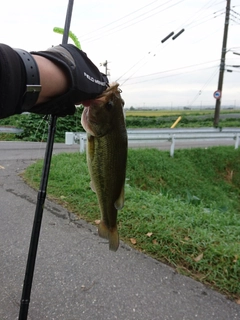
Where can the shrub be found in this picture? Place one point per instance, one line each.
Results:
(35, 126)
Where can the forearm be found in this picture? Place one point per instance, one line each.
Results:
(47, 82)
(53, 79)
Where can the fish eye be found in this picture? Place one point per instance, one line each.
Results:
(109, 105)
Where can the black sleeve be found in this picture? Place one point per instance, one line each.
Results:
(12, 82)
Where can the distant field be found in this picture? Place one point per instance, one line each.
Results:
(160, 113)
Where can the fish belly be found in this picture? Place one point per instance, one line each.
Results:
(106, 157)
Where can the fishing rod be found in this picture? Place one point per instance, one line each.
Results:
(32, 253)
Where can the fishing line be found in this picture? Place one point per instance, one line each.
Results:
(132, 68)
(39, 126)
(148, 55)
(44, 135)
(201, 90)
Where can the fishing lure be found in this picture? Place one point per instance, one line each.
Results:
(70, 34)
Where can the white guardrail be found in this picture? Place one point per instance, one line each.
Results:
(10, 130)
(164, 134)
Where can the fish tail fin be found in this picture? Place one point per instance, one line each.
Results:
(111, 235)
(113, 240)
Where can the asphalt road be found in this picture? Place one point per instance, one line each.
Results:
(76, 276)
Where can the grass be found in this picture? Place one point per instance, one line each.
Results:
(9, 137)
(183, 211)
(165, 113)
(189, 118)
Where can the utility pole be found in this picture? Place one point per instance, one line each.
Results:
(106, 67)
(105, 64)
(222, 64)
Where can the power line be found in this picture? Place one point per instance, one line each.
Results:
(206, 20)
(171, 75)
(167, 37)
(206, 83)
(127, 15)
(192, 19)
(126, 24)
(175, 69)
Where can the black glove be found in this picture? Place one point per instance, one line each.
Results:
(87, 82)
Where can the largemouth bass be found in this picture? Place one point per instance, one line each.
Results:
(103, 119)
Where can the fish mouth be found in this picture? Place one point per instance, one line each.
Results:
(86, 103)
(84, 121)
(94, 102)
(91, 124)
(89, 118)
(104, 97)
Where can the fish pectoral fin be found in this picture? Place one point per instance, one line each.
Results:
(110, 234)
(92, 186)
(119, 203)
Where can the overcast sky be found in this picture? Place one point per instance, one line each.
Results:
(128, 34)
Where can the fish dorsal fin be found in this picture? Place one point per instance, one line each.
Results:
(92, 186)
(119, 203)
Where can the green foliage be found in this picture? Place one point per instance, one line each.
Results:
(10, 121)
(193, 121)
(183, 210)
(36, 128)
(8, 137)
